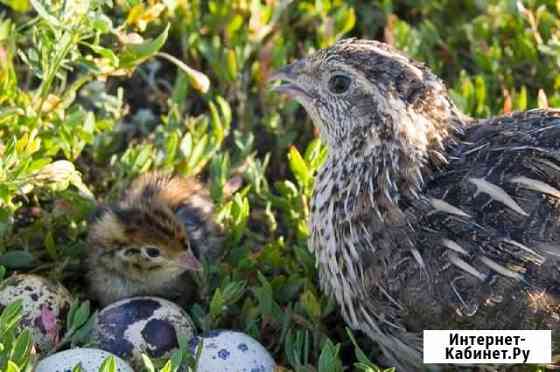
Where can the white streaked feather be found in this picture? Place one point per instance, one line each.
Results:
(548, 163)
(536, 255)
(443, 206)
(496, 193)
(454, 246)
(369, 321)
(500, 269)
(347, 294)
(389, 297)
(460, 263)
(349, 263)
(549, 249)
(536, 185)
(418, 257)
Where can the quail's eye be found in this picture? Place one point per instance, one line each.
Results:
(339, 84)
(152, 252)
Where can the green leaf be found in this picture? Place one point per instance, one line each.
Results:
(217, 304)
(10, 317)
(17, 5)
(78, 316)
(166, 367)
(522, 99)
(171, 144)
(134, 54)
(102, 23)
(108, 365)
(43, 13)
(16, 260)
(81, 316)
(186, 145)
(50, 246)
(83, 334)
(360, 355)
(12, 367)
(225, 109)
(148, 364)
(311, 304)
(231, 64)
(22, 348)
(329, 360)
(233, 291)
(107, 53)
(298, 167)
(176, 360)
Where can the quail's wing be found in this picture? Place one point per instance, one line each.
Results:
(492, 221)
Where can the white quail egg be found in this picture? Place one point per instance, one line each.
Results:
(139, 325)
(45, 305)
(89, 359)
(229, 351)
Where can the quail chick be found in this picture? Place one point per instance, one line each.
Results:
(147, 243)
(423, 218)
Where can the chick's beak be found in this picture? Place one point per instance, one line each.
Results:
(288, 76)
(188, 261)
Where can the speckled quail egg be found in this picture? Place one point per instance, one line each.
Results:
(45, 305)
(139, 325)
(229, 351)
(89, 359)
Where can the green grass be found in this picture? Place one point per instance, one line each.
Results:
(94, 93)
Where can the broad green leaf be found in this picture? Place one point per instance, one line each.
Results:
(217, 303)
(311, 304)
(298, 166)
(12, 367)
(80, 316)
(50, 245)
(22, 348)
(134, 54)
(329, 360)
(17, 260)
(17, 5)
(108, 365)
(102, 23)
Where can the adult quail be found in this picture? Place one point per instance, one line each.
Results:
(423, 218)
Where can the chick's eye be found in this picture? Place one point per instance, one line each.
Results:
(152, 252)
(339, 84)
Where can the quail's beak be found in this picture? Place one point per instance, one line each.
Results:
(288, 76)
(188, 261)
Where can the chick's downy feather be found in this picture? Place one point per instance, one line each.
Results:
(149, 241)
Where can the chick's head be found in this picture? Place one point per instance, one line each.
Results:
(143, 242)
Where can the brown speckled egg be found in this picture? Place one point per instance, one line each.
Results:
(45, 305)
(139, 325)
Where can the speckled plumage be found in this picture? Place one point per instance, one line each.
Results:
(421, 217)
(169, 218)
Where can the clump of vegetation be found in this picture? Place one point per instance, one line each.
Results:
(96, 92)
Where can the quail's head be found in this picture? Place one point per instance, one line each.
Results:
(360, 90)
(142, 242)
